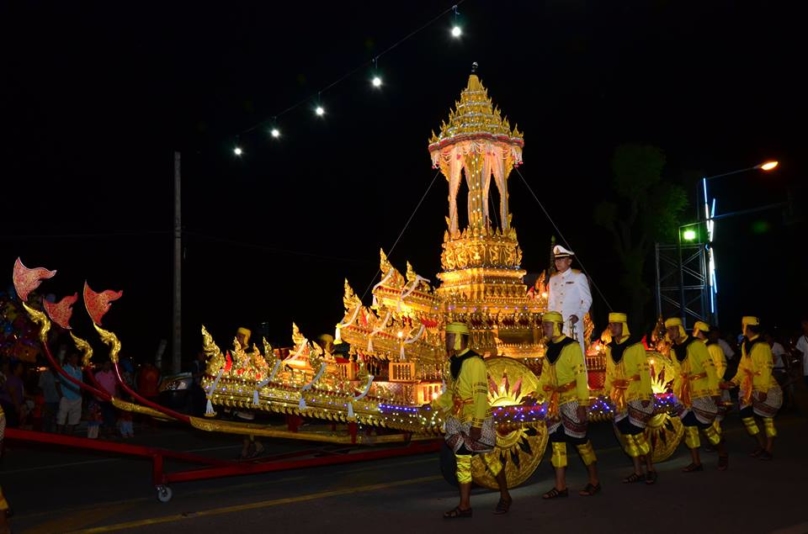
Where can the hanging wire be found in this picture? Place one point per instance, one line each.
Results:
(406, 225)
(563, 239)
(353, 71)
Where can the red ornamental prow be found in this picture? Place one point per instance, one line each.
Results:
(61, 312)
(98, 304)
(27, 280)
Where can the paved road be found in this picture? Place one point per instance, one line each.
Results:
(73, 492)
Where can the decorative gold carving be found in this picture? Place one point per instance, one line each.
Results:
(137, 408)
(40, 319)
(520, 446)
(111, 340)
(85, 349)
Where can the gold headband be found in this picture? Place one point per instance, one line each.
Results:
(673, 321)
(457, 328)
(552, 317)
(749, 320)
(701, 327)
(621, 318)
(618, 318)
(244, 331)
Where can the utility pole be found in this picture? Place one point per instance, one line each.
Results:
(176, 346)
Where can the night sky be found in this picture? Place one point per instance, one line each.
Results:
(97, 97)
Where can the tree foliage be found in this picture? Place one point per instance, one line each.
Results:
(644, 209)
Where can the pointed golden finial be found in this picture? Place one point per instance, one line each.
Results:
(297, 337)
(349, 299)
(384, 264)
(411, 274)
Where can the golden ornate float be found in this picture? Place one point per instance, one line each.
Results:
(394, 364)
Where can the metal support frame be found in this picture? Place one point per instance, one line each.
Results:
(682, 282)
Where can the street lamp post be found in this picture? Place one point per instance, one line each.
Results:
(689, 236)
(708, 209)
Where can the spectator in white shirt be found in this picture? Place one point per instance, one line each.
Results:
(802, 346)
(715, 335)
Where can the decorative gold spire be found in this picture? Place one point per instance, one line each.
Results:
(476, 114)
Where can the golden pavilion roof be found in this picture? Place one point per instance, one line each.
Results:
(475, 115)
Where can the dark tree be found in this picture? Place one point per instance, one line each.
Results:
(644, 209)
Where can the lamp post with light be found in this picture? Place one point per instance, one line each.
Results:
(705, 214)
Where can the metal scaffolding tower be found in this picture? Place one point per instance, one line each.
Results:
(683, 284)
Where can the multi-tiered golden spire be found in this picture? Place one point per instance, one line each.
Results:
(482, 275)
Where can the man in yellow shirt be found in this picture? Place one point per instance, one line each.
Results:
(563, 384)
(759, 392)
(628, 385)
(469, 425)
(696, 388)
(701, 330)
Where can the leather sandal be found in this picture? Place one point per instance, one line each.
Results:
(692, 468)
(757, 452)
(766, 455)
(503, 506)
(651, 477)
(556, 493)
(458, 513)
(590, 490)
(632, 479)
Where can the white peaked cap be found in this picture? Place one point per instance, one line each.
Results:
(561, 252)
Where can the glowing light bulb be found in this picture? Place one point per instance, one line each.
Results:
(376, 81)
(275, 133)
(237, 151)
(769, 165)
(319, 111)
(456, 31)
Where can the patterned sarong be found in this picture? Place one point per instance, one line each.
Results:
(638, 415)
(568, 416)
(704, 408)
(458, 436)
(768, 408)
(723, 405)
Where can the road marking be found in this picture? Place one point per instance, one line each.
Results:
(255, 505)
(68, 522)
(206, 491)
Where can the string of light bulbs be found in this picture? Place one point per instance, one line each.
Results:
(376, 81)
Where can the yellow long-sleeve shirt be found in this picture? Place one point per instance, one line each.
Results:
(467, 397)
(629, 377)
(565, 377)
(695, 374)
(755, 368)
(719, 359)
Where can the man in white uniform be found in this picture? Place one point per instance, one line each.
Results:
(569, 294)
